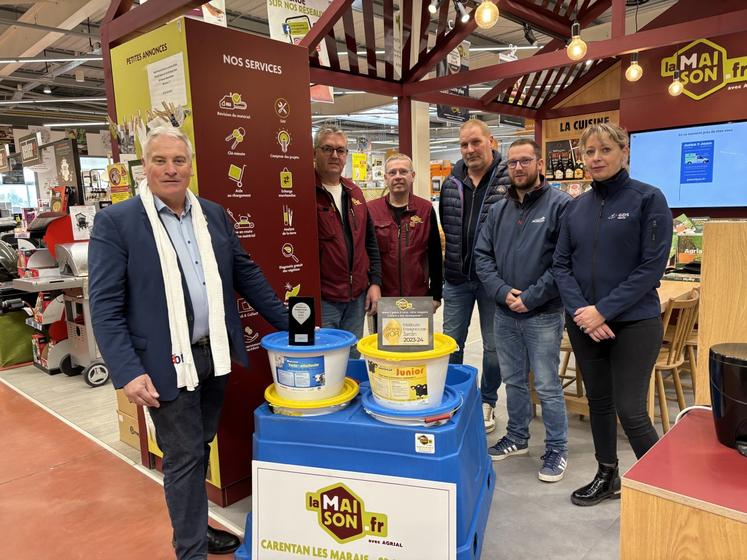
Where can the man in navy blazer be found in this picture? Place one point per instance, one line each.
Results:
(132, 323)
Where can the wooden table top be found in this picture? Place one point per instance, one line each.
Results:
(689, 466)
(672, 289)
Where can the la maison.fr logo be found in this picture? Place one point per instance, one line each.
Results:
(705, 68)
(342, 514)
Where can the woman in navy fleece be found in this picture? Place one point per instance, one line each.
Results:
(613, 248)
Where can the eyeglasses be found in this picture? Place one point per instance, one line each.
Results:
(524, 162)
(395, 172)
(329, 150)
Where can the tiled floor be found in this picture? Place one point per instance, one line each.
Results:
(69, 487)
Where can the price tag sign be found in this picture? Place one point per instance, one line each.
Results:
(405, 324)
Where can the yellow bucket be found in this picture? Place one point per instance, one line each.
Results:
(407, 380)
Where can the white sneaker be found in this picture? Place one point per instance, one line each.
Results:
(488, 417)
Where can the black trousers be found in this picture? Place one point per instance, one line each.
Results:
(184, 429)
(616, 374)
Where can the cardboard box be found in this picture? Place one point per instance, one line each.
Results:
(123, 405)
(128, 430)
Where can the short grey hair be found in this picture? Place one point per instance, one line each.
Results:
(326, 129)
(476, 123)
(169, 131)
(397, 157)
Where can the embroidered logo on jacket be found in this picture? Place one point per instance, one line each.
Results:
(415, 220)
(619, 216)
(539, 220)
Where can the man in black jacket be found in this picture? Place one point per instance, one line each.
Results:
(513, 258)
(474, 185)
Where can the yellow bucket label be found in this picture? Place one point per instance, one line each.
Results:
(403, 383)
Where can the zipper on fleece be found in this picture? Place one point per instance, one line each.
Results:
(594, 255)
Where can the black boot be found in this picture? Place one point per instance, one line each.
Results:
(606, 484)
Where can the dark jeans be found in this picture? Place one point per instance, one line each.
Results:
(616, 374)
(459, 301)
(184, 429)
(346, 316)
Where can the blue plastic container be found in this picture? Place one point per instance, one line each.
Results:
(352, 440)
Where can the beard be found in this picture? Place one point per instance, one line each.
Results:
(525, 182)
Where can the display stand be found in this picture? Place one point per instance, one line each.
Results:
(52, 314)
(686, 497)
(383, 469)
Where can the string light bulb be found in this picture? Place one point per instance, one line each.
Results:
(463, 15)
(433, 6)
(576, 49)
(676, 87)
(634, 72)
(486, 14)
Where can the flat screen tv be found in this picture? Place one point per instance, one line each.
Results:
(696, 167)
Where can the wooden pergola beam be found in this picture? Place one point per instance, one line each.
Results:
(145, 17)
(440, 98)
(585, 18)
(324, 24)
(587, 78)
(713, 26)
(346, 80)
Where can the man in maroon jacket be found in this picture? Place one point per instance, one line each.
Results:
(407, 234)
(348, 254)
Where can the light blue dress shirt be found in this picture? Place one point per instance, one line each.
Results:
(183, 238)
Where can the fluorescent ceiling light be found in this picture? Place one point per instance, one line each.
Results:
(55, 100)
(24, 59)
(69, 124)
(505, 48)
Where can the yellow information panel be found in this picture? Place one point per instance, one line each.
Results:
(152, 86)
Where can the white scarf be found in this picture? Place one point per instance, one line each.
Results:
(181, 345)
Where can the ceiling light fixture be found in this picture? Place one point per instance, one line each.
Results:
(486, 14)
(47, 90)
(463, 15)
(80, 76)
(53, 100)
(23, 59)
(576, 49)
(73, 124)
(676, 87)
(529, 34)
(433, 6)
(634, 72)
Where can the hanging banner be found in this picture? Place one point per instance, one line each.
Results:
(211, 12)
(456, 61)
(4, 162)
(290, 21)
(28, 146)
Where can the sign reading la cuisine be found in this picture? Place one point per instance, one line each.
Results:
(705, 68)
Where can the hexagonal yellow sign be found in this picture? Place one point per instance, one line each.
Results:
(704, 68)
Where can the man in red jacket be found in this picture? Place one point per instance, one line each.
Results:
(348, 254)
(407, 234)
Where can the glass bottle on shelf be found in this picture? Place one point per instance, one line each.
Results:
(569, 168)
(559, 173)
(579, 171)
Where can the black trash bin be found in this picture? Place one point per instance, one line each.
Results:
(728, 367)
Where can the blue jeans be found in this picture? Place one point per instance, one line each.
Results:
(459, 301)
(347, 316)
(532, 343)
